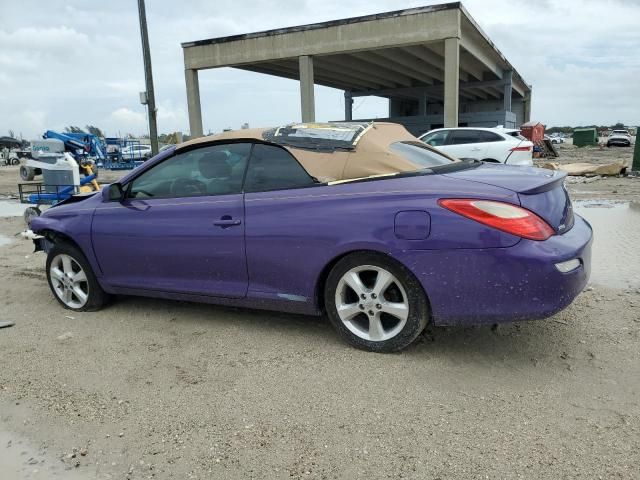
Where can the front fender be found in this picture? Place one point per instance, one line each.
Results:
(62, 224)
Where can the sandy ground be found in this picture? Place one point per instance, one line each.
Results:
(159, 389)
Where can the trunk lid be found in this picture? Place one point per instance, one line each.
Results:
(540, 190)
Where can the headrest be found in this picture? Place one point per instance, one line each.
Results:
(214, 165)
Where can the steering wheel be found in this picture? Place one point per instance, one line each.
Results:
(188, 186)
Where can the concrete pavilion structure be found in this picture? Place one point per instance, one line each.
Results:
(434, 64)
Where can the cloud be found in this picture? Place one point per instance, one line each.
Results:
(128, 120)
(82, 64)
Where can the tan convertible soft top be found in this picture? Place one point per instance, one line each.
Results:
(370, 155)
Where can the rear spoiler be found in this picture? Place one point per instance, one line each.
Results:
(546, 185)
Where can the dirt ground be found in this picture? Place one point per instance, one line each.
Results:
(161, 389)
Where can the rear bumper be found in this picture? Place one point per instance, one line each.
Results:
(486, 286)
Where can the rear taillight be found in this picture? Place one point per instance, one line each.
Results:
(503, 216)
(521, 149)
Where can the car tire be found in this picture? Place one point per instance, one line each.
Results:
(379, 313)
(26, 173)
(72, 281)
(608, 145)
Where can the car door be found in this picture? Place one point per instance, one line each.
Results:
(275, 216)
(180, 227)
(465, 143)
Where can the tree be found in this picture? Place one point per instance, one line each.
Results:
(95, 131)
(73, 129)
(12, 134)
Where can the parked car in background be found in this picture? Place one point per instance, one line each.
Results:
(358, 220)
(556, 138)
(497, 145)
(136, 152)
(619, 138)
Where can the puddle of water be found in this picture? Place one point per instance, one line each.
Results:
(12, 208)
(20, 460)
(4, 240)
(615, 257)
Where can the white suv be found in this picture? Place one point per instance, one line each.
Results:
(501, 145)
(136, 152)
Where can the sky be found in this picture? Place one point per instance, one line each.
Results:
(79, 62)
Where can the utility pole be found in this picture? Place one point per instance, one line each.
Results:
(148, 76)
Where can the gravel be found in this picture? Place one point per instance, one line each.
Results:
(158, 389)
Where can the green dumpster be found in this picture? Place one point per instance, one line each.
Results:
(636, 157)
(583, 137)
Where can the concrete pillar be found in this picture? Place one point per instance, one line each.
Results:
(193, 102)
(526, 105)
(307, 100)
(422, 103)
(507, 76)
(451, 81)
(348, 106)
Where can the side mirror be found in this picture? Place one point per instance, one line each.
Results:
(113, 192)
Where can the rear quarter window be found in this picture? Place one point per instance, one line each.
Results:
(419, 154)
(274, 168)
(486, 136)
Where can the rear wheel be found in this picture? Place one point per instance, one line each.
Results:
(375, 303)
(72, 280)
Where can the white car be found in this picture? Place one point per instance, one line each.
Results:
(136, 152)
(498, 145)
(556, 138)
(619, 138)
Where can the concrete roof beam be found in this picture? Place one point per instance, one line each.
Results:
(377, 73)
(402, 65)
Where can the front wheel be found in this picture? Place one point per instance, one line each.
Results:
(375, 303)
(72, 280)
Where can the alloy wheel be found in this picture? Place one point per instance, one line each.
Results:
(69, 281)
(372, 303)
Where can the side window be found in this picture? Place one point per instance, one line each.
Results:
(212, 170)
(461, 137)
(486, 136)
(273, 168)
(435, 139)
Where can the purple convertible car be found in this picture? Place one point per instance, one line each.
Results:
(358, 220)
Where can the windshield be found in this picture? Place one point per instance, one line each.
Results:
(420, 154)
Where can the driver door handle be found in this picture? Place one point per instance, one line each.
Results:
(226, 221)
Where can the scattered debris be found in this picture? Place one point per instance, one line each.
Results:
(65, 336)
(588, 169)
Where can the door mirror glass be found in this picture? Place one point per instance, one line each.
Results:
(113, 192)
